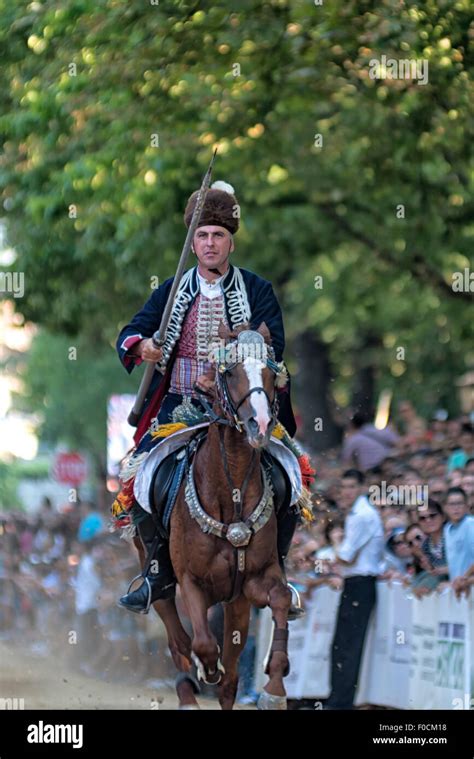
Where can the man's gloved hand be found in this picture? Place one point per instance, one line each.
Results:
(147, 351)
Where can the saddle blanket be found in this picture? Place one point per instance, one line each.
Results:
(143, 478)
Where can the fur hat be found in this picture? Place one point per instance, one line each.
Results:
(220, 209)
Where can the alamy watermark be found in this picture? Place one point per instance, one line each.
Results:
(45, 733)
(466, 703)
(12, 282)
(235, 352)
(12, 704)
(463, 281)
(398, 495)
(403, 68)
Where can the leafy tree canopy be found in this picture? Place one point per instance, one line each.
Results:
(111, 110)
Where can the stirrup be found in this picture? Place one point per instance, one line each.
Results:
(297, 611)
(147, 581)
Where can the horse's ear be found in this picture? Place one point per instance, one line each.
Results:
(265, 332)
(230, 334)
(224, 332)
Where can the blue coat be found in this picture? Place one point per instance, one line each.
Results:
(262, 307)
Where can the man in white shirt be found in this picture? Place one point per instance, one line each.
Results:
(458, 536)
(359, 558)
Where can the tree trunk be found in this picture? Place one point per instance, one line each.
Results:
(104, 498)
(311, 393)
(363, 392)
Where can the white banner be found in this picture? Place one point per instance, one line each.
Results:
(387, 652)
(418, 653)
(309, 646)
(453, 651)
(423, 646)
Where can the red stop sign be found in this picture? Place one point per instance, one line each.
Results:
(70, 468)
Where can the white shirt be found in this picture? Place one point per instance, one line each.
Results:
(459, 541)
(211, 290)
(327, 553)
(363, 541)
(87, 585)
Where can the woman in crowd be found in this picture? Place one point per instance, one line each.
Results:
(431, 551)
(398, 559)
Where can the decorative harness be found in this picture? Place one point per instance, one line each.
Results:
(240, 531)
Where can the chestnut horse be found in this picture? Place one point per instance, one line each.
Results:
(239, 566)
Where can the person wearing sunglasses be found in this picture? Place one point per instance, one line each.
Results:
(431, 550)
(397, 556)
(414, 537)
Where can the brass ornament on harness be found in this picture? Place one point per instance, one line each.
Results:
(239, 534)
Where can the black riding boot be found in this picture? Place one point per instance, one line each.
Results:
(159, 582)
(287, 522)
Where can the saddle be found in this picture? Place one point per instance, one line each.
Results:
(169, 475)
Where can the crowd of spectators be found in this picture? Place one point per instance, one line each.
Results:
(420, 478)
(60, 575)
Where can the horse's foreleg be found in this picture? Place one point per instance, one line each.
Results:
(274, 695)
(236, 625)
(179, 642)
(204, 644)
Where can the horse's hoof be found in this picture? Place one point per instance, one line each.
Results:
(213, 678)
(209, 678)
(267, 701)
(189, 707)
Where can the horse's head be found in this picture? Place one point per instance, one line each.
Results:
(245, 381)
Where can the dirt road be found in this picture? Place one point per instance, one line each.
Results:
(44, 682)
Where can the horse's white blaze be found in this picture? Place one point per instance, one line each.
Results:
(253, 369)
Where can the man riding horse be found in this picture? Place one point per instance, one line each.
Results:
(212, 295)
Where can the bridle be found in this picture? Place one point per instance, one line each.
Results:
(231, 408)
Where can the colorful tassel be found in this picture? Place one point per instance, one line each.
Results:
(130, 465)
(305, 506)
(279, 431)
(168, 429)
(307, 470)
(304, 462)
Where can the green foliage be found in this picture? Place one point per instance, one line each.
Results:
(11, 475)
(35, 470)
(85, 140)
(71, 394)
(8, 487)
